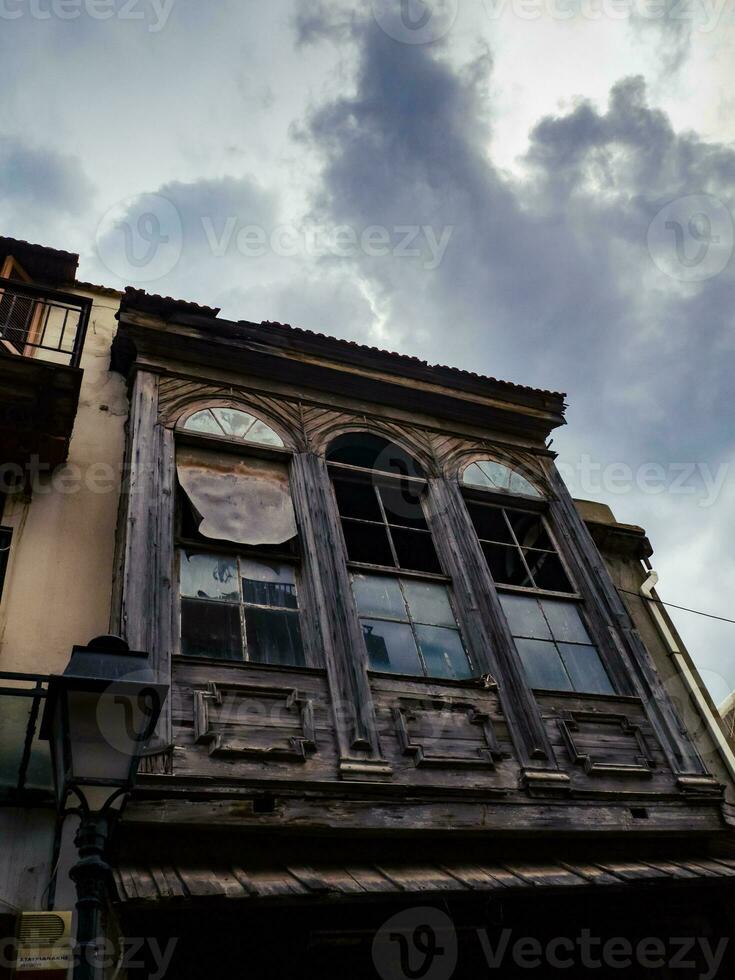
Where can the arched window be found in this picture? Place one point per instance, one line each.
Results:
(489, 474)
(238, 545)
(550, 634)
(402, 598)
(232, 423)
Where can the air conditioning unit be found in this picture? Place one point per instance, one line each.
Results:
(45, 944)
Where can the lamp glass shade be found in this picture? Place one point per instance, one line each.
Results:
(102, 740)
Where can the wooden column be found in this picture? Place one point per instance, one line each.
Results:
(143, 606)
(328, 594)
(625, 653)
(485, 624)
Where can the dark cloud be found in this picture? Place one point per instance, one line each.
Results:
(554, 277)
(41, 178)
(547, 279)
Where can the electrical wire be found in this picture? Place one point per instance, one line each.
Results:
(672, 605)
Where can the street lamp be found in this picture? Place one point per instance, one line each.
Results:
(99, 715)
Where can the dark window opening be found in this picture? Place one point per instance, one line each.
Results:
(518, 548)
(391, 529)
(372, 452)
(239, 608)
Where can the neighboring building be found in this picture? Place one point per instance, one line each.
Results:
(727, 711)
(406, 669)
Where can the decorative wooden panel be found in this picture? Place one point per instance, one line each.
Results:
(606, 743)
(446, 733)
(601, 739)
(241, 720)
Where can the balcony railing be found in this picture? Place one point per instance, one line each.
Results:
(42, 323)
(25, 765)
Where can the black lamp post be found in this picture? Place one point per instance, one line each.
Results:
(99, 715)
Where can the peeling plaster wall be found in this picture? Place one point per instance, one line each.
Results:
(58, 583)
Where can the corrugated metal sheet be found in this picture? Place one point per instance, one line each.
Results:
(138, 882)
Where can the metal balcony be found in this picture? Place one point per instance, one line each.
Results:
(25, 766)
(42, 323)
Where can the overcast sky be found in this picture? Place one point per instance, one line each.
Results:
(538, 190)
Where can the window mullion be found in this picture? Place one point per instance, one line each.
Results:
(388, 530)
(412, 624)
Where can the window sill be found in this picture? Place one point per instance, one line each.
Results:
(467, 683)
(180, 658)
(539, 593)
(613, 698)
(358, 566)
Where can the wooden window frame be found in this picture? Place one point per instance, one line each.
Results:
(363, 476)
(242, 605)
(183, 542)
(505, 501)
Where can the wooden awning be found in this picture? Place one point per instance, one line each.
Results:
(198, 879)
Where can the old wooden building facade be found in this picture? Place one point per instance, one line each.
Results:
(403, 677)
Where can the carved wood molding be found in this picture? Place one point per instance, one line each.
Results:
(569, 725)
(179, 397)
(299, 710)
(313, 427)
(476, 721)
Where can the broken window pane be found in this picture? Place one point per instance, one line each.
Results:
(367, 543)
(246, 501)
(506, 565)
(357, 500)
(490, 523)
(529, 529)
(379, 595)
(273, 637)
(391, 647)
(547, 571)
(372, 452)
(210, 629)
(208, 577)
(415, 550)
(403, 506)
(443, 652)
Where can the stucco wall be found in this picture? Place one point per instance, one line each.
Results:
(58, 582)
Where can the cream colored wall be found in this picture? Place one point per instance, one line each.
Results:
(58, 582)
